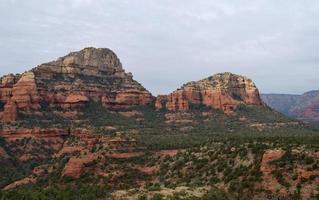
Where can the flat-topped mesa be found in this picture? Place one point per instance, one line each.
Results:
(222, 91)
(70, 82)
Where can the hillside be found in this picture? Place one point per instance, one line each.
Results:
(81, 127)
(307, 107)
(304, 107)
(281, 102)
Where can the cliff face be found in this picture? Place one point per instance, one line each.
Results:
(222, 91)
(70, 82)
(97, 75)
(52, 99)
(90, 90)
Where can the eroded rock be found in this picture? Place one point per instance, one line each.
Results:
(222, 91)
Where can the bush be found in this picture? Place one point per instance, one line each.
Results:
(142, 197)
(157, 196)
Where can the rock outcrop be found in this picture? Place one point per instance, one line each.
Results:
(70, 82)
(269, 182)
(39, 133)
(75, 167)
(222, 91)
(90, 74)
(10, 113)
(25, 92)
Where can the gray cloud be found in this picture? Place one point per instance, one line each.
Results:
(167, 43)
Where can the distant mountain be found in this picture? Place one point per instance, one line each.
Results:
(307, 106)
(304, 107)
(281, 102)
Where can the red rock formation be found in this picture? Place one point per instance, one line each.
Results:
(75, 101)
(10, 113)
(160, 102)
(270, 183)
(14, 133)
(96, 74)
(24, 181)
(69, 150)
(75, 167)
(70, 82)
(25, 93)
(222, 91)
(6, 84)
(178, 100)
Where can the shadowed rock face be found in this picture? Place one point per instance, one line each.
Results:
(222, 91)
(70, 82)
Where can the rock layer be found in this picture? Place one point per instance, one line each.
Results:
(71, 81)
(222, 91)
(91, 74)
(10, 113)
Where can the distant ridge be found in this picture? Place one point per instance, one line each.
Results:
(304, 107)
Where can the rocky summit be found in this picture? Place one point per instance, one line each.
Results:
(97, 75)
(70, 82)
(222, 91)
(81, 127)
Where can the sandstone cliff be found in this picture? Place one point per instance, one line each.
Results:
(97, 75)
(70, 82)
(222, 91)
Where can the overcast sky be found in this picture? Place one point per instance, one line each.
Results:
(166, 43)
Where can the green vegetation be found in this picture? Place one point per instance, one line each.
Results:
(222, 152)
(261, 114)
(80, 192)
(13, 169)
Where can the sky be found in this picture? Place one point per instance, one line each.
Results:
(166, 43)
